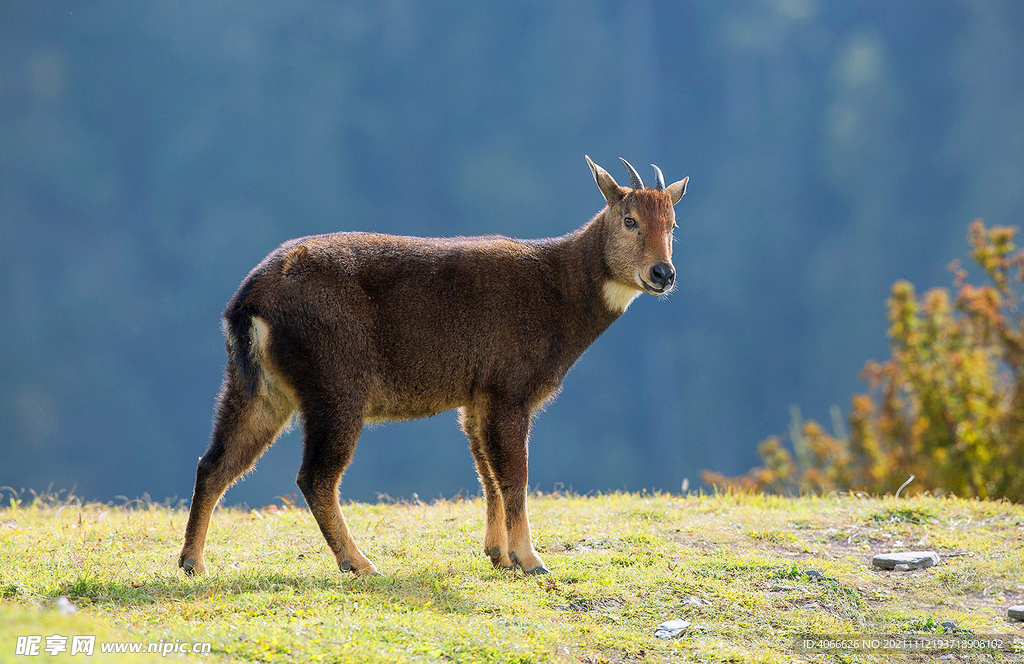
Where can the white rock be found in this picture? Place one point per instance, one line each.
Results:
(906, 560)
(1016, 612)
(65, 606)
(672, 629)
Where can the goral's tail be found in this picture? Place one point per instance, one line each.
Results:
(246, 335)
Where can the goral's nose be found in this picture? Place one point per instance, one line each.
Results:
(663, 274)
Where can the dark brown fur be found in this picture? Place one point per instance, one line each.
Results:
(354, 327)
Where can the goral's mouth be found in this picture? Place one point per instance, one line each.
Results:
(652, 289)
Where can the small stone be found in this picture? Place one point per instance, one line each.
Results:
(65, 606)
(950, 626)
(671, 629)
(906, 560)
(1016, 612)
(814, 574)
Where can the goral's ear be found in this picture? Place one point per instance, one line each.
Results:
(613, 193)
(677, 189)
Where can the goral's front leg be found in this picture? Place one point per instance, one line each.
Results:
(505, 436)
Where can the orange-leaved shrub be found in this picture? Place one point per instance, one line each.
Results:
(947, 407)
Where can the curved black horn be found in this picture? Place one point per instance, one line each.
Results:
(659, 179)
(634, 177)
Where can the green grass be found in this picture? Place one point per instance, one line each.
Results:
(735, 566)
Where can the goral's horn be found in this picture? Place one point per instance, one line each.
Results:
(659, 179)
(634, 177)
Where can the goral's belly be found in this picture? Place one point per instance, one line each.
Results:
(406, 404)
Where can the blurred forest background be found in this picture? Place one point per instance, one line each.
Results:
(151, 153)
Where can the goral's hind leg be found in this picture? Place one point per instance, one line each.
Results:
(496, 535)
(244, 428)
(330, 441)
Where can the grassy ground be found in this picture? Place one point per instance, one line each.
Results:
(622, 563)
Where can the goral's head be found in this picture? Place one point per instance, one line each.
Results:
(638, 234)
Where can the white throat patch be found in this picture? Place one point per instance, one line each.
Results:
(619, 296)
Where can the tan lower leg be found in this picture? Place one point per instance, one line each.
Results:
(191, 558)
(496, 535)
(328, 515)
(520, 541)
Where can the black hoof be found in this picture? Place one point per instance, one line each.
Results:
(188, 566)
(345, 565)
(376, 574)
(538, 570)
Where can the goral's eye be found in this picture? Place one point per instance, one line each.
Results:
(630, 222)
